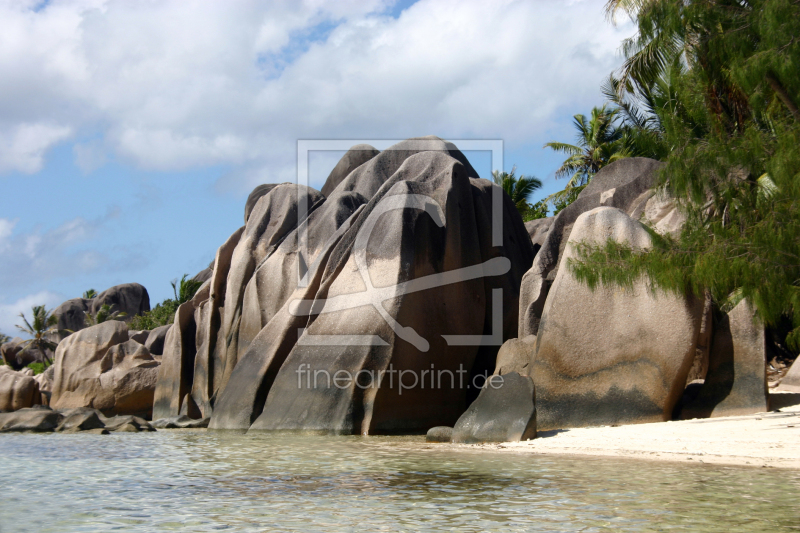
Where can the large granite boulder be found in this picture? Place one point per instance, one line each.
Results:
(736, 381)
(410, 226)
(791, 381)
(354, 158)
(100, 367)
(626, 184)
(505, 411)
(30, 419)
(17, 390)
(129, 298)
(17, 354)
(155, 340)
(411, 229)
(610, 355)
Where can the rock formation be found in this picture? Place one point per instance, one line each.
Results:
(130, 298)
(100, 367)
(386, 273)
(505, 411)
(736, 382)
(17, 390)
(610, 356)
(81, 419)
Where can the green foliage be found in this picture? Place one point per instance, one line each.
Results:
(4, 338)
(91, 293)
(103, 314)
(164, 313)
(734, 163)
(38, 368)
(599, 142)
(41, 330)
(519, 189)
(535, 211)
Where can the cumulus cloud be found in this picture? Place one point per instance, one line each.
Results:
(9, 313)
(172, 86)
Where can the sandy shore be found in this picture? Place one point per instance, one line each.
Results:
(765, 440)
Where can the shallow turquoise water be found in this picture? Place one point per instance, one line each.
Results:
(212, 481)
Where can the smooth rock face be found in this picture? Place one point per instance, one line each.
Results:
(610, 356)
(505, 411)
(626, 185)
(17, 390)
(410, 212)
(538, 230)
(155, 340)
(439, 434)
(99, 367)
(130, 298)
(30, 419)
(736, 382)
(354, 158)
(515, 356)
(791, 381)
(180, 422)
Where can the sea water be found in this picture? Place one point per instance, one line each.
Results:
(199, 480)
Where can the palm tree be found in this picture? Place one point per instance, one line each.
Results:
(519, 189)
(44, 324)
(103, 314)
(91, 293)
(599, 142)
(185, 289)
(4, 339)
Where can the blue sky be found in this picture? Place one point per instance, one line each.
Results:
(131, 132)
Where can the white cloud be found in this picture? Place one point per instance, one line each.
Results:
(22, 146)
(38, 256)
(174, 86)
(9, 313)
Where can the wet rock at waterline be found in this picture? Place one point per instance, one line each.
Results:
(439, 434)
(610, 356)
(45, 419)
(17, 390)
(99, 367)
(180, 422)
(505, 411)
(736, 382)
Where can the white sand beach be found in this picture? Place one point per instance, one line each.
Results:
(765, 440)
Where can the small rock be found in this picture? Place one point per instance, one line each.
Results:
(439, 434)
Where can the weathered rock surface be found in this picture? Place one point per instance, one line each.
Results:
(736, 382)
(414, 212)
(505, 411)
(130, 298)
(354, 158)
(180, 422)
(17, 390)
(515, 356)
(626, 185)
(99, 367)
(18, 355)
(439, 434)
(155, 340)
(538, 230)
(34, 419)
(610, 356)
(82, 419)
(791, 381)
(426, 214)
